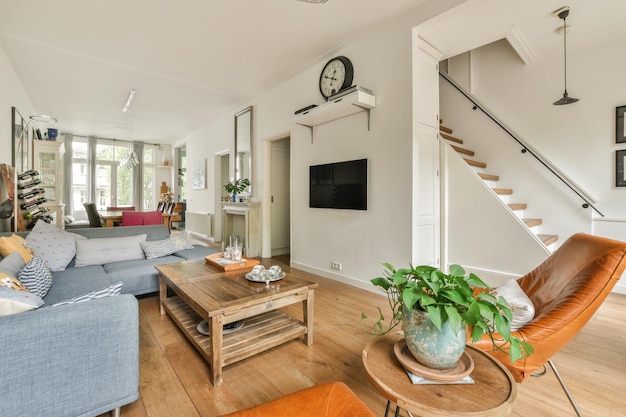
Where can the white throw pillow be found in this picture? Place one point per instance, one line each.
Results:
(55, 246)
(13, 302)
(522, 307)
(100, 251)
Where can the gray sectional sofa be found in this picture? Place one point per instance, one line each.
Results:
(81, 359)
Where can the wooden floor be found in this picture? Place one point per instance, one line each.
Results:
(174, 377)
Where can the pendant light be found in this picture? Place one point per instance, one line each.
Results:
(566, 99)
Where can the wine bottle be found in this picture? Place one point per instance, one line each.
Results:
(27, 174)
(33, 203)
(29, 184)
(30, 193)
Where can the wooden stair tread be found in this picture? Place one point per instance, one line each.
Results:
(488, 177)
(450, 138)
(462, 150)
(502, 191)
(532, 222)
(548, 239)
(518, 206)
(475, 163)
(445, 129)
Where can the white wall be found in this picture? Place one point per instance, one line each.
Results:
(360, 240)
(13, 95)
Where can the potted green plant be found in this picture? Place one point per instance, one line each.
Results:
(236, 187)
(455, 300)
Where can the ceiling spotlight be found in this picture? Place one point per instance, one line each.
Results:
(562, 14)
(314, 1)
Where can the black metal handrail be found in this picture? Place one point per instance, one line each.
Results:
(525, 148)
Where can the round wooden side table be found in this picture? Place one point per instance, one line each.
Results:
(492, 393)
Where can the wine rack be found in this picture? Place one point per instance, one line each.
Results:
(31, 198)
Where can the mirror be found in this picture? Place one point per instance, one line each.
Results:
(243, 146)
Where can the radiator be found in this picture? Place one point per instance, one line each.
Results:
(200, 224)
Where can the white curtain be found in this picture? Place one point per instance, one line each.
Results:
(138, 177)
(67, 166)
(92, 144)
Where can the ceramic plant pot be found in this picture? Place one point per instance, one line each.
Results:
(429, 346)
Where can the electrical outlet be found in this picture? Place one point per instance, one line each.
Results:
(336, 265)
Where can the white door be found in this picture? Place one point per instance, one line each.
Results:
(280, 197)
(426, 185)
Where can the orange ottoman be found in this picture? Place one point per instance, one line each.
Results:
(333, 399)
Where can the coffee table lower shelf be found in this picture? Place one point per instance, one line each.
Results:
(259, 333)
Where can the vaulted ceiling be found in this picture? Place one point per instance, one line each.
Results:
(192, 61)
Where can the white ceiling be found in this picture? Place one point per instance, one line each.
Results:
(192, 61)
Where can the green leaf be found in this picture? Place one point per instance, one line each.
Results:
(455, 296)
(436, 315)
(472, 315)
(410, 297)
(382, 283)
(454, 318)
(477, 333)
(503, 327)
(515, 351)
(457, 271)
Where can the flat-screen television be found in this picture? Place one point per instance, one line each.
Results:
(340, 185)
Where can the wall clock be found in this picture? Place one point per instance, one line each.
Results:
(336, 75)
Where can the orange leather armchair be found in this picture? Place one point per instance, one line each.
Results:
(566, 290)
(333, 399)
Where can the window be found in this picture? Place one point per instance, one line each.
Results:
(112, 185)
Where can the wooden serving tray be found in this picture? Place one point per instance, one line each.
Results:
(217, 259)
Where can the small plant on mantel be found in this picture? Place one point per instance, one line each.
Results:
(461, 300)
(237, 186)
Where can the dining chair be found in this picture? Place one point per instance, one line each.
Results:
(92, 214)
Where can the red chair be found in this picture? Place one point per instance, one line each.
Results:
(132, 218)
(152, 217)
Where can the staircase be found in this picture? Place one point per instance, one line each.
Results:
(505, 194)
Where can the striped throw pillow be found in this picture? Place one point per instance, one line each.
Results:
(114, 289)
(36, 277)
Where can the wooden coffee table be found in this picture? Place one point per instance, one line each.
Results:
(492, 394)
(204, 292)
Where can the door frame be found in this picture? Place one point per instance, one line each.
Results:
(266, 202)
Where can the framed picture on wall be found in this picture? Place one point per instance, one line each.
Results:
(620, 128)
(20, 143)
(199, 174)
(620, 163)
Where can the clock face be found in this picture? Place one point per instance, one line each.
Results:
(336, 75)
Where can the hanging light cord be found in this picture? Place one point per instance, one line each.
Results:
(565, 51)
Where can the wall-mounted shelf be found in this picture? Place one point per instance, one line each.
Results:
(347, 105)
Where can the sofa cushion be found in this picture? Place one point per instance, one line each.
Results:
(522, 307)
(10, 268)
(111, 290)
(14, 243)
(55, 246)
(36, 276)
(76, 281)
(13, 301)
(99, 251)
(196, 252)
(139, 277)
